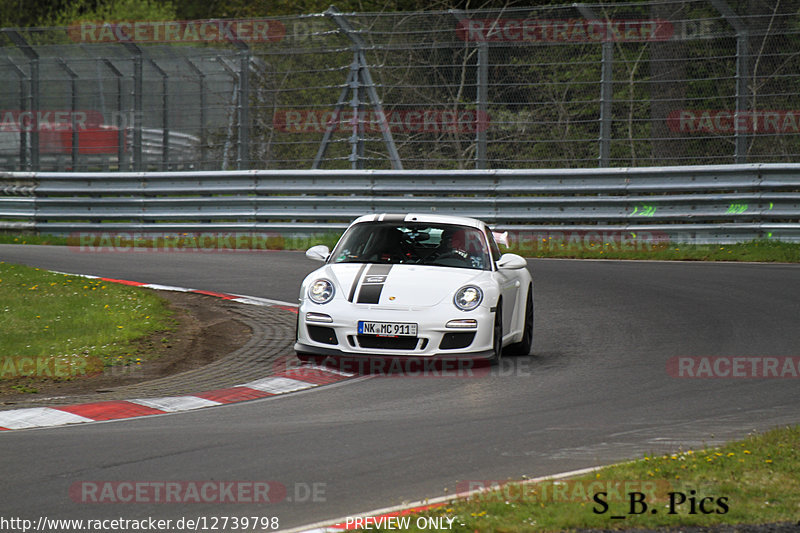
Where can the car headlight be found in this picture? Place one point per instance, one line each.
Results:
(468, 298)
(321, 291)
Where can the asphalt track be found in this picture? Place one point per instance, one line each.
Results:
(595, 390)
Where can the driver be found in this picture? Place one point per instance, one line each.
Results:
(454, 241)
(460, 243)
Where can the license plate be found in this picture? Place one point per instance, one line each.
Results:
(387, 329)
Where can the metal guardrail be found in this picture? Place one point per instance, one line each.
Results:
(183, 152)
(702, 204)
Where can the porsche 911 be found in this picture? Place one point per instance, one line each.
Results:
(420, 286)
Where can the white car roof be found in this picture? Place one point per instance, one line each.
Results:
(418, 217)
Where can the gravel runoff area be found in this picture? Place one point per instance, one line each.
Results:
(219, 344)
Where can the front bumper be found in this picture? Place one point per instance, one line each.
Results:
(339, 337)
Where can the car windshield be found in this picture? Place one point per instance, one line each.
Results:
(413, 243)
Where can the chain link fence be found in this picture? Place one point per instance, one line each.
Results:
(602, 84)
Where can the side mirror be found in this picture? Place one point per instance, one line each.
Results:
(511, 262)
(319, 252)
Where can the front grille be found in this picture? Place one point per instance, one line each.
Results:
(322, 334)
(454, 341)
(387, 343)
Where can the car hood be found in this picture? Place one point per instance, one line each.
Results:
(400, 285)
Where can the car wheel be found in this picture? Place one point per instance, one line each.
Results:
(524, 346)
(497, 337)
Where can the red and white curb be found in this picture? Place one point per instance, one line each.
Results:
(380, 518)
(290, 380)
(249, 300)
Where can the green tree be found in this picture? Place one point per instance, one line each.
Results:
(41, 13)
(113, 10)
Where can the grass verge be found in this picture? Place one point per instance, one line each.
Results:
(752, 481)
(27, 238)
(757, 251)
(60, 327)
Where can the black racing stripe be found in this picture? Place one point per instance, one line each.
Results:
(355, 283)
(379, 270)
(370, 293)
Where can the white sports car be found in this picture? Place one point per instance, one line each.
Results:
(422, 286)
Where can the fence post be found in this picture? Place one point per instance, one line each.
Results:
(138, 113)
(230, 69)
(75, 139)
(201, 76)
(33, 61)
(244, 112)
(165, 137)
(606, 90)
(120, 124)
(742, 72)
(243, 153)
(481, 96)
(357, 130)
(483, 106)
(23, 136)
(606, 99)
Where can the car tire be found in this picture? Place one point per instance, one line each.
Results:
(497, 335)
(524, 346)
